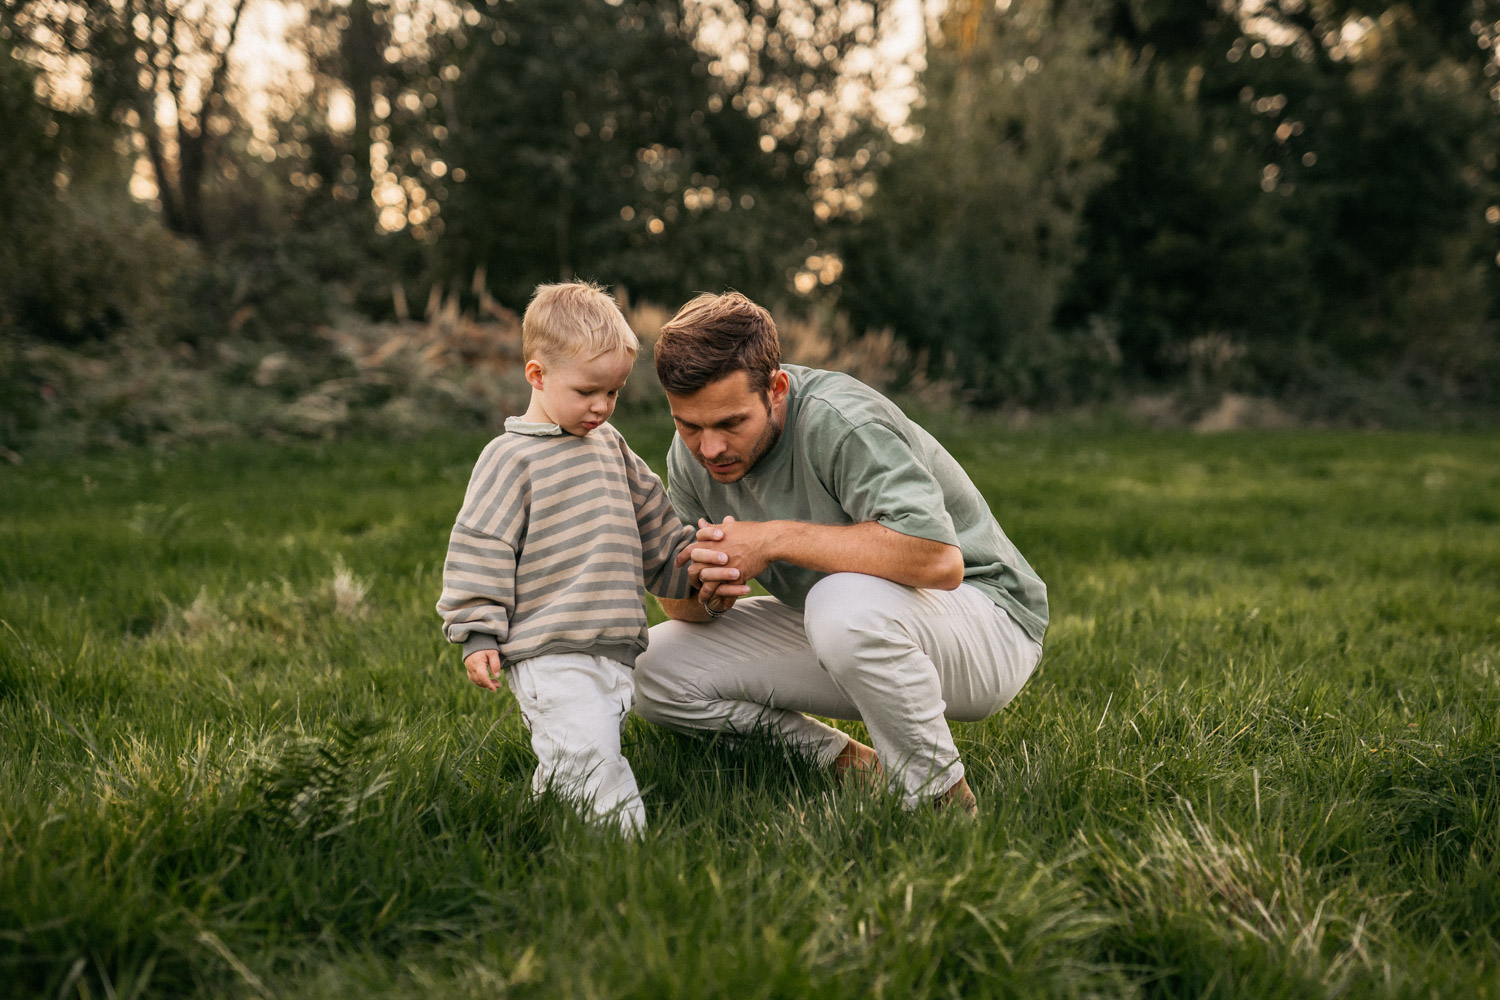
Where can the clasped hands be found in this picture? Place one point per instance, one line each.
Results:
(725, 559)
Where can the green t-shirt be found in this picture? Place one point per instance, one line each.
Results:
(848, 455)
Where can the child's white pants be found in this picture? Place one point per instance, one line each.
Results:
(575, 706)
(901, 659)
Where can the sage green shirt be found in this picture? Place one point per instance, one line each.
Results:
(848, 455)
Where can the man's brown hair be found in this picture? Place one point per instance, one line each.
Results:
(714, 336)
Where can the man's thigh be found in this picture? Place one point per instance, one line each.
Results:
(756, 653)
(760, 652)
(981, 656)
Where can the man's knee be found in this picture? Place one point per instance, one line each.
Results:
(847, 614)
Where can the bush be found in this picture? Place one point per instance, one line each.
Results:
(82, 267)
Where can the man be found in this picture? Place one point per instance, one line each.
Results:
(896, 598)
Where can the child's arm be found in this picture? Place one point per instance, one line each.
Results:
(479, 573)
(663, 536)
(479, 581)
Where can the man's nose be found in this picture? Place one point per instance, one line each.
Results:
(712, 445)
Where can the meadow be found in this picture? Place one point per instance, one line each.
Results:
(1261, 757)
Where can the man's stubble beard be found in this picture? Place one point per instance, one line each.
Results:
(760, 448)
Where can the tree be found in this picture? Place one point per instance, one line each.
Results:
(161, 67)
(1306, 180)
(393, 63)
(975, 226)
(594, 139)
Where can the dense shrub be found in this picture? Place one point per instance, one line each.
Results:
(87, 266)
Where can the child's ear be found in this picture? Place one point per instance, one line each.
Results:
(534, 373)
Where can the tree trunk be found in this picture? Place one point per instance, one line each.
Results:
(360, 59)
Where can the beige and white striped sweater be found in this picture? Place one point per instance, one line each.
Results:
(557, 540)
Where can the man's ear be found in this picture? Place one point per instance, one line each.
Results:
(534, 373)
(781, 384)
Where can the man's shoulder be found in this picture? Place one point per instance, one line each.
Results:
(835, 402)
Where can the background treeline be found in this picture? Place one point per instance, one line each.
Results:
(1090, 200)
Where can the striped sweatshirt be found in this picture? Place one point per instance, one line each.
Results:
(557, 540)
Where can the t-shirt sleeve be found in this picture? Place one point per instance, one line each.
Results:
(877, 476)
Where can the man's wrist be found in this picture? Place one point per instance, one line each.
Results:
(776, 544)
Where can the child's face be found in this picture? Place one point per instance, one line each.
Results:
(577, 394)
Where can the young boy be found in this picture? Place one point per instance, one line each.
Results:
(561, 525)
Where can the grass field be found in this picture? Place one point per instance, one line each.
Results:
(1260, 758)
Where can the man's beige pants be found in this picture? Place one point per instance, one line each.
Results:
(901, 659)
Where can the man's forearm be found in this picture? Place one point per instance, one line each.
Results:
(869, 548)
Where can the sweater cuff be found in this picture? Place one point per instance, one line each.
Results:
(480, 640)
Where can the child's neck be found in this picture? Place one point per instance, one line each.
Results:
(534, 413)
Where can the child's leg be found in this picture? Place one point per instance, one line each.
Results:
(575, 706)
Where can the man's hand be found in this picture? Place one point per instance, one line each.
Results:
(484, 666)
(737, 545)
(718, 585)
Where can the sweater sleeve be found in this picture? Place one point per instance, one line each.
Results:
(663, 536)
(479, 573)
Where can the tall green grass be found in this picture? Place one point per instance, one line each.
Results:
(1260, 759)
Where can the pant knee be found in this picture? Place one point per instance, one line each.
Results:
(846, 616)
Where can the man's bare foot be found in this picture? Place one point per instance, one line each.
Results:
(959, 797)
(857, 762)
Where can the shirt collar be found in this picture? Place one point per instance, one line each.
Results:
(532, 428)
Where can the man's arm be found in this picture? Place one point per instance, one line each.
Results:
(869, 548)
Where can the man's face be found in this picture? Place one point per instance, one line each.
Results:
(729, 428)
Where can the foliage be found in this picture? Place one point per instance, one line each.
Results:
(1093, 199)
(279, 376)
(134, 60)
(87, 267)
(76, 263)
(595, 141)
(975, 228)
(1310, 184)
(1259, 759)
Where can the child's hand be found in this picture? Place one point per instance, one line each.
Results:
(484, 666)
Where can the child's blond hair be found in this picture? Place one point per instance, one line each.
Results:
(574, 319)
